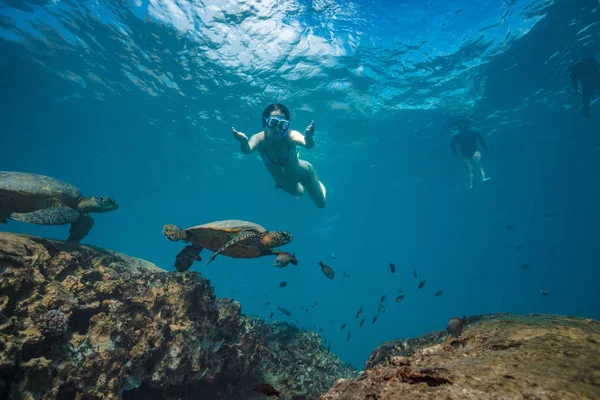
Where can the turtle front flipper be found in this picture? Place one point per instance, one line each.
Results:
(243, 236)
(186, 257)
(48, 216)
(80, 228)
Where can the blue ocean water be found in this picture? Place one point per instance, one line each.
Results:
(136, 100)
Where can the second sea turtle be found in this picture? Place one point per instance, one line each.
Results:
(232, 238)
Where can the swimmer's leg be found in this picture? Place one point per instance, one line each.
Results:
(477, 160)
(469, 167)
(310, 180)
(296, 190)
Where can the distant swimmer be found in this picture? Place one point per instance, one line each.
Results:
(467, 140)
(277, 147)
(587, 72)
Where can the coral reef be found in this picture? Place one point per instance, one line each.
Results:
(498, 356)
(135, 331)
(79, 322)
(53, 323)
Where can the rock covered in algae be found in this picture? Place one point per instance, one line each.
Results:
(497, 357)
(136, 332)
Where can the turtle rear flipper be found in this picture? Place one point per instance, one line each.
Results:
(186, 257)
(240, 237)
(48, 216)
(80, 228)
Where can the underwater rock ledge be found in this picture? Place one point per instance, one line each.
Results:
(79, 322)
(500, 356)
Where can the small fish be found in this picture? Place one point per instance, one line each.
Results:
(415, 273)
(456, 325)
(285, 258)
(544, 292)
(266, 389)
(509, 227)
(400, 298)
(327, 270)
(217, 346)
(348, 337)
(283, 284)
(519, 247)
(362, 321)
(374, 319)
(439, 293)
(525, 266)
(284, 311)
(382, 299)
(271, 315)
(346, 275)
(305, 309)
(332, 256)
(342, 328)
(359, 312)
(458, 11)
(380, 307)
(267, 303)
(400, 290)
(422, 284)
(392, 268)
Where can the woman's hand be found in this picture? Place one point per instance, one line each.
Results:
(310, 130)
(239, 136)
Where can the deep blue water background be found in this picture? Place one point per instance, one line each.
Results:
(143, 112)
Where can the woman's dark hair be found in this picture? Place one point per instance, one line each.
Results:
(274, 107)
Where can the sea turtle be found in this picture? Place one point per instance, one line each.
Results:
(39, 199)
(233, 238)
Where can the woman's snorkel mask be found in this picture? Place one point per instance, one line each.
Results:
(273, 122)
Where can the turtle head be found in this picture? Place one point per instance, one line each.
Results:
(97, 204)
(174, 234)
(278, 238)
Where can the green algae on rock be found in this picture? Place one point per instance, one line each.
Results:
(136, 332)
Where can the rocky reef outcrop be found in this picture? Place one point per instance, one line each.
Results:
(135, 331)
(498, 356)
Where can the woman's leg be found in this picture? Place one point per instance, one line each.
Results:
(310, 181)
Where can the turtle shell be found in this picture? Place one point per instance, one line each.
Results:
(23, 192)
(214, 235)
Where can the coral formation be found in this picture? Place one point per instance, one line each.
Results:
(53, 323)
(498, 356)
(136, 331)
